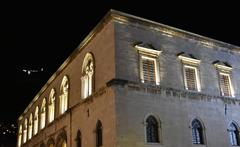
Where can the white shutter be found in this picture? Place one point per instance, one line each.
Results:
(148, 71)
(190, 77)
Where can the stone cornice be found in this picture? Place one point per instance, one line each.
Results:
(171, 92)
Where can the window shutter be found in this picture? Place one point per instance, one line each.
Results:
(225, 85)
(149, 71)
(190, 78)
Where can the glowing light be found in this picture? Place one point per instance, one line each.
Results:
(51, 107)
(25, 131)
(87, 76)
(43, 114)
(63, 104)
(30, 127)
(35, 127)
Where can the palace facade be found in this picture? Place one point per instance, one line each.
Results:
(133, 82)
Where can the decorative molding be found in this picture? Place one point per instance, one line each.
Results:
(223, 66)
(176, 93)
(188, 59)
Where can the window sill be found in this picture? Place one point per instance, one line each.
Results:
(200, 145)
(152, 144)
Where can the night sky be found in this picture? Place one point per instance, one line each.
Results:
(36, 36)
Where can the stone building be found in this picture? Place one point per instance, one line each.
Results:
(133, 82)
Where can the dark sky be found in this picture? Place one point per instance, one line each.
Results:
(35, 36)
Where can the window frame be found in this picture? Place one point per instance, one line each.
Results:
(36, 121)
(51, 105)
(87, 79)
(190, 62)
(43, 114)
(160, 141)
(223, 68)
(99, 134)
(203, 141)
(30, 127)
(196, 69)
(235, 125)
(25, 131)
(64, 97)
(20, 136)
(229, 76)
(149, 54)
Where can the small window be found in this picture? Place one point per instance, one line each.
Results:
(99, 134)
(87, 76)
(152, 130)
(233, 134)
(190, 72)
(79, 139)
(191, 78)
(20, 136)
(224, 76)
(197, 132)
(64, 90)
(149, 70)
(149, 65)
(30, 124)
(51, 106)
(25, 130)
(35, 125)
(64, 144)
(43, 114)
(225, 84)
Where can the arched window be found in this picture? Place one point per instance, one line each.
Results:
(233, 134)
(50, 143)
(63, 104)
(25, 130)
(99, 134)
(30, 123)
(35, 125)
(51, 106)
(62, 139)
(43, 114)
(152, 130)
(87, 75)
(20, 136)
(79, 139)
(42, 145)
(64, 144)
(197, 132)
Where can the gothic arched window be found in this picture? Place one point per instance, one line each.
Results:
(62, 140)
(35, 125)
(20, 136)
(87, 75)
(64, 89)
(50, 143)
(43, 114)
(30, 124)
(99, 134)
(197, 132)
(233, 134)
(79, 139)
(152, 130)
(64, 144)
(51, 106)
(25, 130)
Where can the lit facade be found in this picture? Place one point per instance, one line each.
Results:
(137, 83)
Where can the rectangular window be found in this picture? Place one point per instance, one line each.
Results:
(149, 65)
(149, 70)
(225, 84)
(191, 78)
(149, 75)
